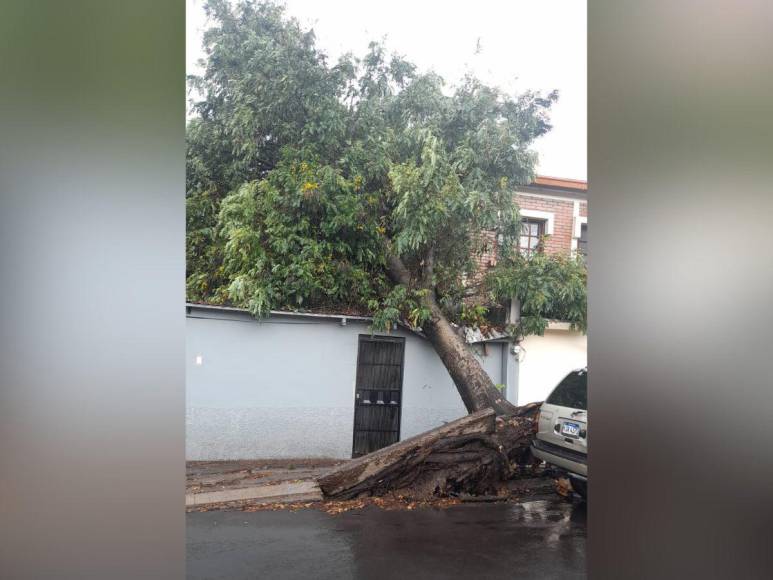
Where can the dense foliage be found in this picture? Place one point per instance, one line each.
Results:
(303, 177)
(547, 287)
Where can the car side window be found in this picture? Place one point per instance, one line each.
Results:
(572, 391)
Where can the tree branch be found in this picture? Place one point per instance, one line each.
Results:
(429, 269)
(397, 270)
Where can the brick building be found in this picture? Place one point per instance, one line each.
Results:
(556, 211)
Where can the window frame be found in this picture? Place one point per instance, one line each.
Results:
(541, 229)
(582, 245)
(579, 221)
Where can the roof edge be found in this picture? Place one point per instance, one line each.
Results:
(471, 336)
(560, 182)
(336, 316)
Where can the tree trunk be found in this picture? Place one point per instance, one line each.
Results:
(472, 455)
(473, 383)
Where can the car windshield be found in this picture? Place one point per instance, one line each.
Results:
(572, 391)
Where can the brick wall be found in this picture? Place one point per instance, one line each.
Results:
(560, 242)
(487, 259)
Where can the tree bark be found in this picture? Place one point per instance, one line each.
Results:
(472, 455)
(473, 383)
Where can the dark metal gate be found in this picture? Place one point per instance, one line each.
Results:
(378, 393)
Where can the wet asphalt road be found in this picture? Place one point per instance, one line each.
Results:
(539, 539)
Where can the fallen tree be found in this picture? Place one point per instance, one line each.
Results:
(372, 187)
(473, 455)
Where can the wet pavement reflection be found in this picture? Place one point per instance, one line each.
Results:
(537, 539)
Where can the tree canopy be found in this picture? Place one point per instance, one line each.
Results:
(310, 182)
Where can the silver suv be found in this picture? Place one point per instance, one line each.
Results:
(562, 429)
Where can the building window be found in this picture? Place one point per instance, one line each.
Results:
(582, 241)
(532, 231)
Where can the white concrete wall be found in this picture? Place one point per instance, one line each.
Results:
(268, 389)
(284, 387)
(429, 395)
(545, 360)
(490, 357)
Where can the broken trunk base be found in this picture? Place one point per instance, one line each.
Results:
(472, 456)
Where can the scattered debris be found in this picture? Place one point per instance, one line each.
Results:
(526, 482)
(334, 507)
(483, 498)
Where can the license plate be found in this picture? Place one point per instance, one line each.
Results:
(570, 429)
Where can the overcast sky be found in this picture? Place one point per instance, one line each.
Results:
(525, 44)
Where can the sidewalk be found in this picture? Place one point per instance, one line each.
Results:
(236, 484)
(257, 481)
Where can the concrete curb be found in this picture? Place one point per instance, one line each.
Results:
(285, 492)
